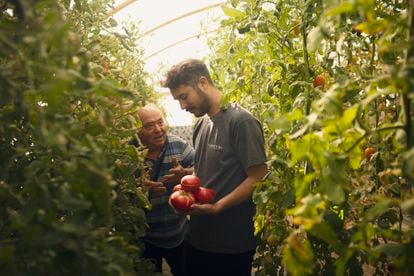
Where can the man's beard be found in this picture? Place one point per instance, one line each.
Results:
(205, 103)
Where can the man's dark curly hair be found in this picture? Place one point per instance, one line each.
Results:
(187, 72)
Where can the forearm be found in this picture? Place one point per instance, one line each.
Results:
(244, 191)
(238, 195)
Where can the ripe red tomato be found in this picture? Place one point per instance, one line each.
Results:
(190, 183)
(369, 152)
(182, 200)
(177, 188)
(319, 81)
(204, 195)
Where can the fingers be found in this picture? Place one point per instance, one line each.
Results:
(170, 177)
(159, 191)
(176, 167)
(175, 173)
(176, 170)
(174, 162)
(155, 187)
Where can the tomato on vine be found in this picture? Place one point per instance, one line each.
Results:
(319, 81)
(369, 152)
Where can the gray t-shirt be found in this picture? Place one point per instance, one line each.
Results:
(225, 146)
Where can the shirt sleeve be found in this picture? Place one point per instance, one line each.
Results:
(249, 143)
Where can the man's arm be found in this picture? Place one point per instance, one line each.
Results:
(241, 193)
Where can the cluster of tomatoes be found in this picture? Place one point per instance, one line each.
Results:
(190, 192)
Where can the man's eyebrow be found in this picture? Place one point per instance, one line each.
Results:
(153, 122)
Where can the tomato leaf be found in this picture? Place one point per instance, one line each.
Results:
(346, 7)
(325, 232)
(372, 27)
(232, 12)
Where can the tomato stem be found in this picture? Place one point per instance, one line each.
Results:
(409, 88)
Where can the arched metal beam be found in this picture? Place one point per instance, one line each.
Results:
(120, 7)
(179, 42)
(180, 17)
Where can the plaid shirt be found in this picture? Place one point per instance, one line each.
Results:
(167, 228)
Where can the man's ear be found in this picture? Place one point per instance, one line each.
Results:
(203, 83)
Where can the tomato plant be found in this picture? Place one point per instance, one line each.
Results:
(323, 210)
(69, 201)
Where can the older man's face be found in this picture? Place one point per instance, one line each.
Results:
(153, 130)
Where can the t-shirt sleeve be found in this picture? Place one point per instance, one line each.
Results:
(249, 143)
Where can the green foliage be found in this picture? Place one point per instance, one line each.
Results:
(69, 200)
(325, 208)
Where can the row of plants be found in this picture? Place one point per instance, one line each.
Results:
(333, 84)
(71, 80)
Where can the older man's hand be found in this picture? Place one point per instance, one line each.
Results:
(175, 173)
(155, 187)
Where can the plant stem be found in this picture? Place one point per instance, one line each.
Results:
(356, 143)
(306, 61)
(409, 88)
(307, 75)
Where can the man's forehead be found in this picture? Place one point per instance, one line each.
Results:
(181, 90)
(149, 113)
(147, 118)
(152, 120)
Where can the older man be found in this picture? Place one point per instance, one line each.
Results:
(169, 158)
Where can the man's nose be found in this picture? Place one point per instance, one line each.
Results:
(157, 127)
(183, 105)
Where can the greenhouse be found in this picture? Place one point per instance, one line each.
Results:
(239, 137)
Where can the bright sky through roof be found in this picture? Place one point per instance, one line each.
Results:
(152, 13)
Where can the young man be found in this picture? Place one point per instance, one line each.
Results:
(169, 158)
(230, 159)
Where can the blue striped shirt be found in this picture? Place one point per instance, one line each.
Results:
(167, 228)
